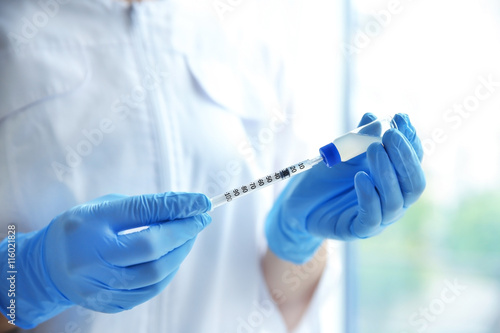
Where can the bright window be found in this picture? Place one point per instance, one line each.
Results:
(438, 269)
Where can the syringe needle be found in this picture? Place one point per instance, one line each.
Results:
(260, 183)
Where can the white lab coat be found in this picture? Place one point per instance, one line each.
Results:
(98, 97)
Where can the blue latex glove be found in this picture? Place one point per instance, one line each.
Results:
(80, 258)
(352, 200)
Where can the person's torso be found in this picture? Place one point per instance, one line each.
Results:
(98, 97)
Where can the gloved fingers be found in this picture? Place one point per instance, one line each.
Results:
(146, 274)
(141, 210)
(153, 243)
(407, 165)
(405, 127)
(367, 222)
(386, 182)
(104, 198)
(366, 119)
(370, 127)
(117, 300)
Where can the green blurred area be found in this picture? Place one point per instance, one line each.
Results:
(431, 243)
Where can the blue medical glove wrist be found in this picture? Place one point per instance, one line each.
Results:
(35, 297)
(286, 234)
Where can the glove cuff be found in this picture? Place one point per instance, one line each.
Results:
(288, 241)
(34, 296)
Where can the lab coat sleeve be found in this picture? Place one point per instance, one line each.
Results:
(325, 312)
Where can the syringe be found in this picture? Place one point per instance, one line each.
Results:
(260, 183)
(341, 149)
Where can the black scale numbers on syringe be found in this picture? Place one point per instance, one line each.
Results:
(264, 182)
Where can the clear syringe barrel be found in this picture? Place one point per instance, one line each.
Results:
(356, 142)
(262, 182)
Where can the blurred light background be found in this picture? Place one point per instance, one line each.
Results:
(437, 270)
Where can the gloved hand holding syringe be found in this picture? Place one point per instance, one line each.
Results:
(342, 149)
